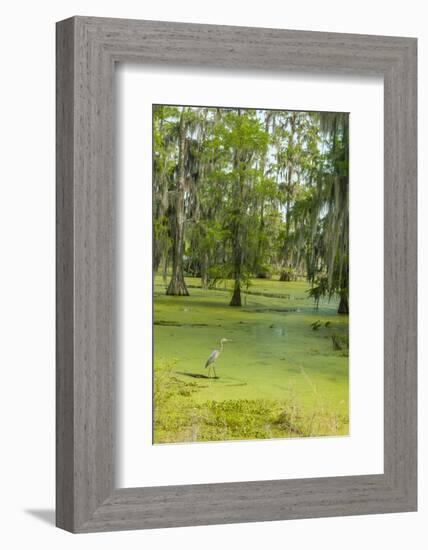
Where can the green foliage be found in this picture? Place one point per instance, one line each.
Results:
(274, 361)
(340, 342)
(316, 325)
(178, 417)
(266, 194)
(319, 289)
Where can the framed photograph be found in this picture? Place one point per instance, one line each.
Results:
(245, 200)
(236, 274)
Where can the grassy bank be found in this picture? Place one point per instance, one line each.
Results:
(284, 374)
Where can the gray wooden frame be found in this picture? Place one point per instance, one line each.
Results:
(87, 50)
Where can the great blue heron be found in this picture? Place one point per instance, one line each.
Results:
(213, 357)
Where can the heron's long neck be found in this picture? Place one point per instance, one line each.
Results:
(221, 346)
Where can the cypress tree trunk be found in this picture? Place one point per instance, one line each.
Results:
(289, 193)
(257, 264)
(343, 305)
(344, 293)
(204, 271)
(237, 261)
(236, 231)
(237, 257)
(157, 256)
(177, 286)
(236, 296)
(165, 268)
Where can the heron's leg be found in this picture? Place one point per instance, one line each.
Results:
(215, 374)
(209, 371)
